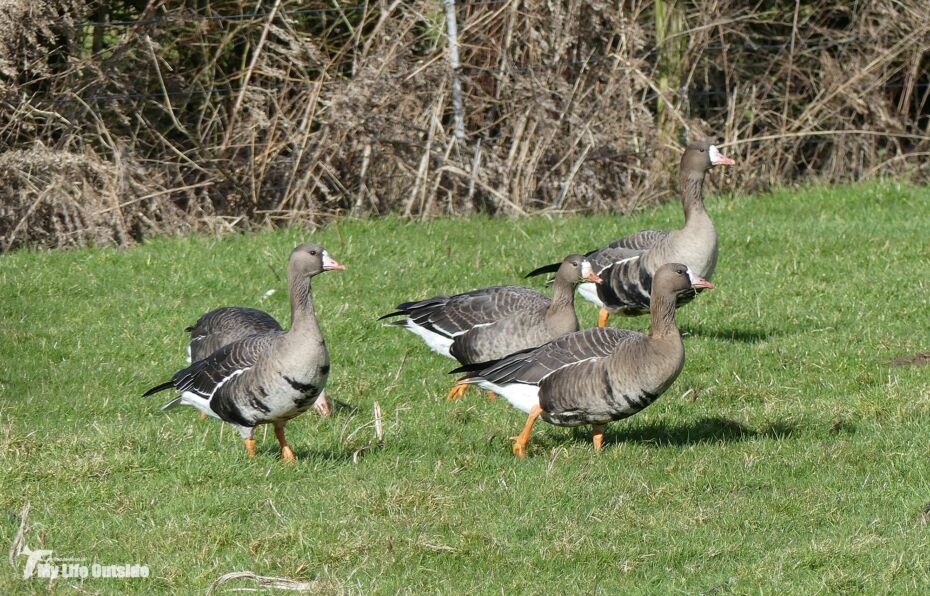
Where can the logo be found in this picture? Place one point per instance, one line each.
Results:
(33, 558)
(40, 564)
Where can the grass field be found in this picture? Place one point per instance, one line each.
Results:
(789, 456)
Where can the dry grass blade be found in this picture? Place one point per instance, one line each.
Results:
(379, 428)
(264, 582)
(19, 540)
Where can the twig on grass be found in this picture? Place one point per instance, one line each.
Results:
(19, 541)
(264, 581)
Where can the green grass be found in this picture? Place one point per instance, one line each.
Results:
(788, 456)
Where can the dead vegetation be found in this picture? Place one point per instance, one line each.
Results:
(124, 119)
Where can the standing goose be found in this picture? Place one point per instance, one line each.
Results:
(597, 375)
(627, 265)
(265, 378)
(489, 323)
(227, 324)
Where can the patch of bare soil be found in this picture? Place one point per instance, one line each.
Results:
(918, 359)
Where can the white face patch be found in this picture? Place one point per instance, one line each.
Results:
(691, 276)
(329, 262)
(717, 158)
(698, 281)
(586, 269)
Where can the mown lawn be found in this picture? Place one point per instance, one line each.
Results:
(789, 456)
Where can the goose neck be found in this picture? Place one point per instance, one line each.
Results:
(561, 311)
(563, 294)
(662, 311)
(303, 318)
(692, 196)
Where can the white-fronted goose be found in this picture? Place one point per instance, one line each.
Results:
(265, 378)
(489, 323)
(627, 265)
(596, 375)
(227, 324)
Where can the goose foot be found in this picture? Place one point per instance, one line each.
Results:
(598, 437)
(286, 453)
(492, 396)
(321, 405)
(602, 317)
(457, 392)
(203, 416)
(520, 441)
(250, 447)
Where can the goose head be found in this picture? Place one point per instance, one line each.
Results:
(701, 156)
(675, 279)
(576, 269)
(311, 259)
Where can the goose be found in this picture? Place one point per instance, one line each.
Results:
(489, 323)
(627, 265)
(597, 375)
(269, 377)
(227, 324)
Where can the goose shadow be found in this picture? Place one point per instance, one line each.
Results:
(712, 429)
(304, 454)
(748, 336)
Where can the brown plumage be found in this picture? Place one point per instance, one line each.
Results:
(228, 324)
(489, 323)
(265, 378)
(596, 375)
(629, 264)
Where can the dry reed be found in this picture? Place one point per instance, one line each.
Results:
(120, 122)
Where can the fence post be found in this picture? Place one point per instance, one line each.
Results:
(453, 34)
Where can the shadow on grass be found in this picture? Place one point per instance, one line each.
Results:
(748, 336)
(714, 429)
(308, 454)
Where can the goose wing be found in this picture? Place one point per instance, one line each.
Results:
(225, 325)
(205, 377)
(462, 312)
(605, 258)
(532, 366)
(643, 240)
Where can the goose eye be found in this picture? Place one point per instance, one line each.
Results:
(313, 252)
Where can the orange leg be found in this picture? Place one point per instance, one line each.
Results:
(286, 453)
(602, 317)
(598, 437)
(457, 392)
(491, 395)
(250, 447)
(520, 441)
(203, 416)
